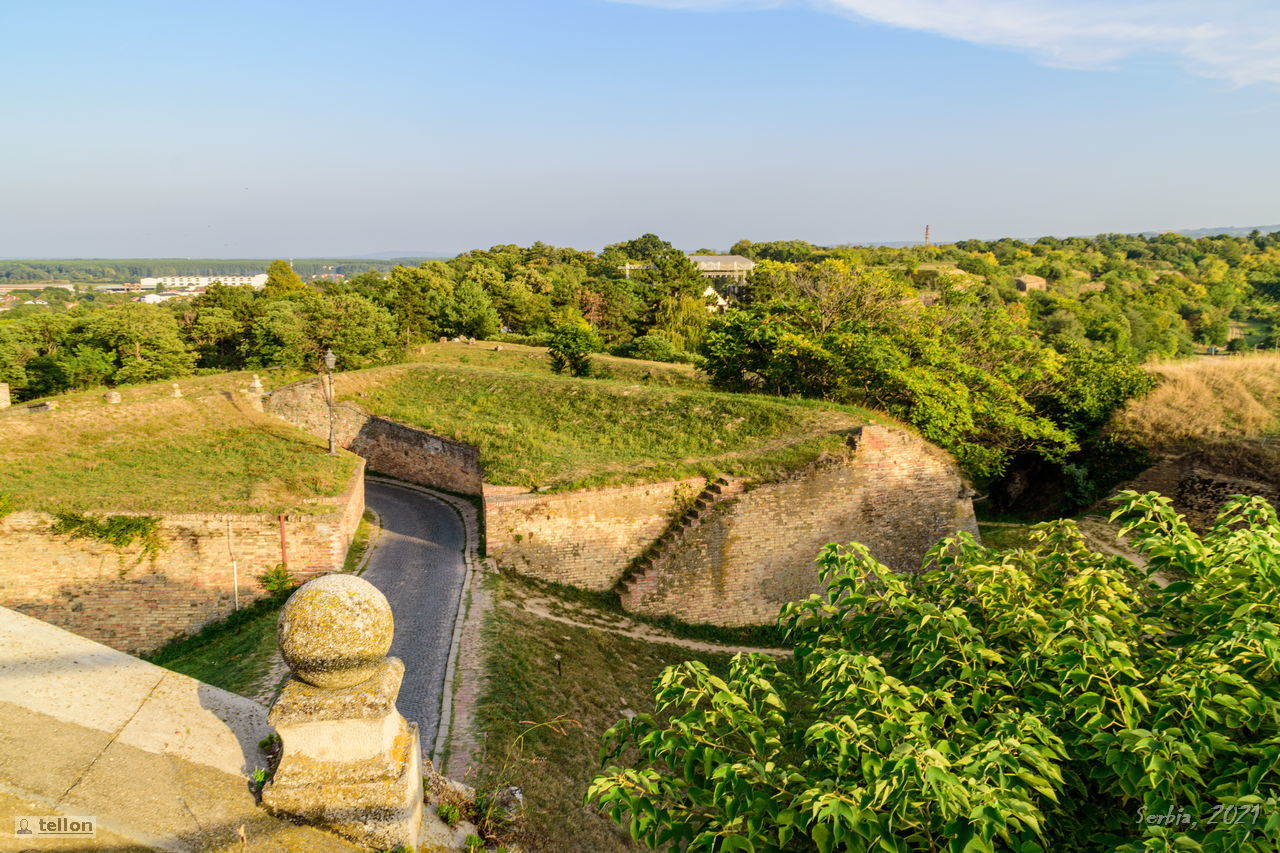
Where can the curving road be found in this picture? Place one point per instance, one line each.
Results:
(418, 564)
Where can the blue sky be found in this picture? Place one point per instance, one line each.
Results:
(277, 129)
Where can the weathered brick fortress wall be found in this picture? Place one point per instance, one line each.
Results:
(91, 589)
(1198, 486)
(1202, 493)
(585, 538)
(891, 491)
(404, 452)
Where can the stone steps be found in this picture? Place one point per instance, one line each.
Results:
(638, 578)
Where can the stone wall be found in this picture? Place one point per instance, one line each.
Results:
(1201, 494)
(585, 538)
(891, 491)
(1201, 481)
(404, 452)
(110, 596)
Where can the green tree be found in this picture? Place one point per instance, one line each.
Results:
(282, 280)
(85, 366)
(472, 313)
(571, 347)
(1048, 698)
(418, 298)
(278, 337)
(144, 340)
(359, 332)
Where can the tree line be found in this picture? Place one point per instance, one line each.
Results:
(939, 336)
(124, 270)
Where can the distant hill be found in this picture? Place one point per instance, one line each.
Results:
(1230, 231)
(405, 256)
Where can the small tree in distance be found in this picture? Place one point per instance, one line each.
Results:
(571, 347)
(282, 280)
(1048, 698)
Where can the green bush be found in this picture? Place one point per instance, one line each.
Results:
(571, 347)
(277, 581)
(119, 531)
(449, 813)
(653, 348)
(1048, 698)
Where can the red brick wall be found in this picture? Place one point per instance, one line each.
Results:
(89, 588)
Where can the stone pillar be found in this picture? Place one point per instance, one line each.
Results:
(349, 762)
(112, 396)
(177, 390)
(4, 395)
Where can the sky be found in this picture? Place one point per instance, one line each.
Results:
(306, 129)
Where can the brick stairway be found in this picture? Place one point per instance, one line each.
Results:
(640, 578)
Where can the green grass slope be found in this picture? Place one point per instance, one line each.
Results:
(599, 678)
(539, 430)
(152, 452)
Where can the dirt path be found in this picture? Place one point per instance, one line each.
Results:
(582, 616)
(1100, 536)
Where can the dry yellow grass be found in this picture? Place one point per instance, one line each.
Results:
(1205, 399)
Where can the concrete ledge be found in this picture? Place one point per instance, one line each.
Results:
(160, 759)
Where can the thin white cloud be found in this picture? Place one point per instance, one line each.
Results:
(1235, 40)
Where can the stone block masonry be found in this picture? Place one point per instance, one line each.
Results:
(394, 449)
(1201, 495)
(106, 595)
(583, 538)
(751, 554)
(735, 563)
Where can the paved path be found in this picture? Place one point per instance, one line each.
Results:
(418, 564)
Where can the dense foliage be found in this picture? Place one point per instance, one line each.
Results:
(570, 347)
(940, 336)
(1045, 699)
(964, 368)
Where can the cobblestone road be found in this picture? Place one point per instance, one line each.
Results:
(419, 567)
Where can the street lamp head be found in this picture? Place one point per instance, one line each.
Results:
(330, 360)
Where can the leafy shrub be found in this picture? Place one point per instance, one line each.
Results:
(571, 347)
(119, 531)
(277, 581)
(449, 813)
(653, 348)
(1044, 699)
(538, 339)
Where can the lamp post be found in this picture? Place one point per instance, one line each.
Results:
(330, 361)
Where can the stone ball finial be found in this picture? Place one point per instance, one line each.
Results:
(335, 631)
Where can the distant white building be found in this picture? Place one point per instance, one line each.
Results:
(189, 282)
(735, 267)
(157, 298)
